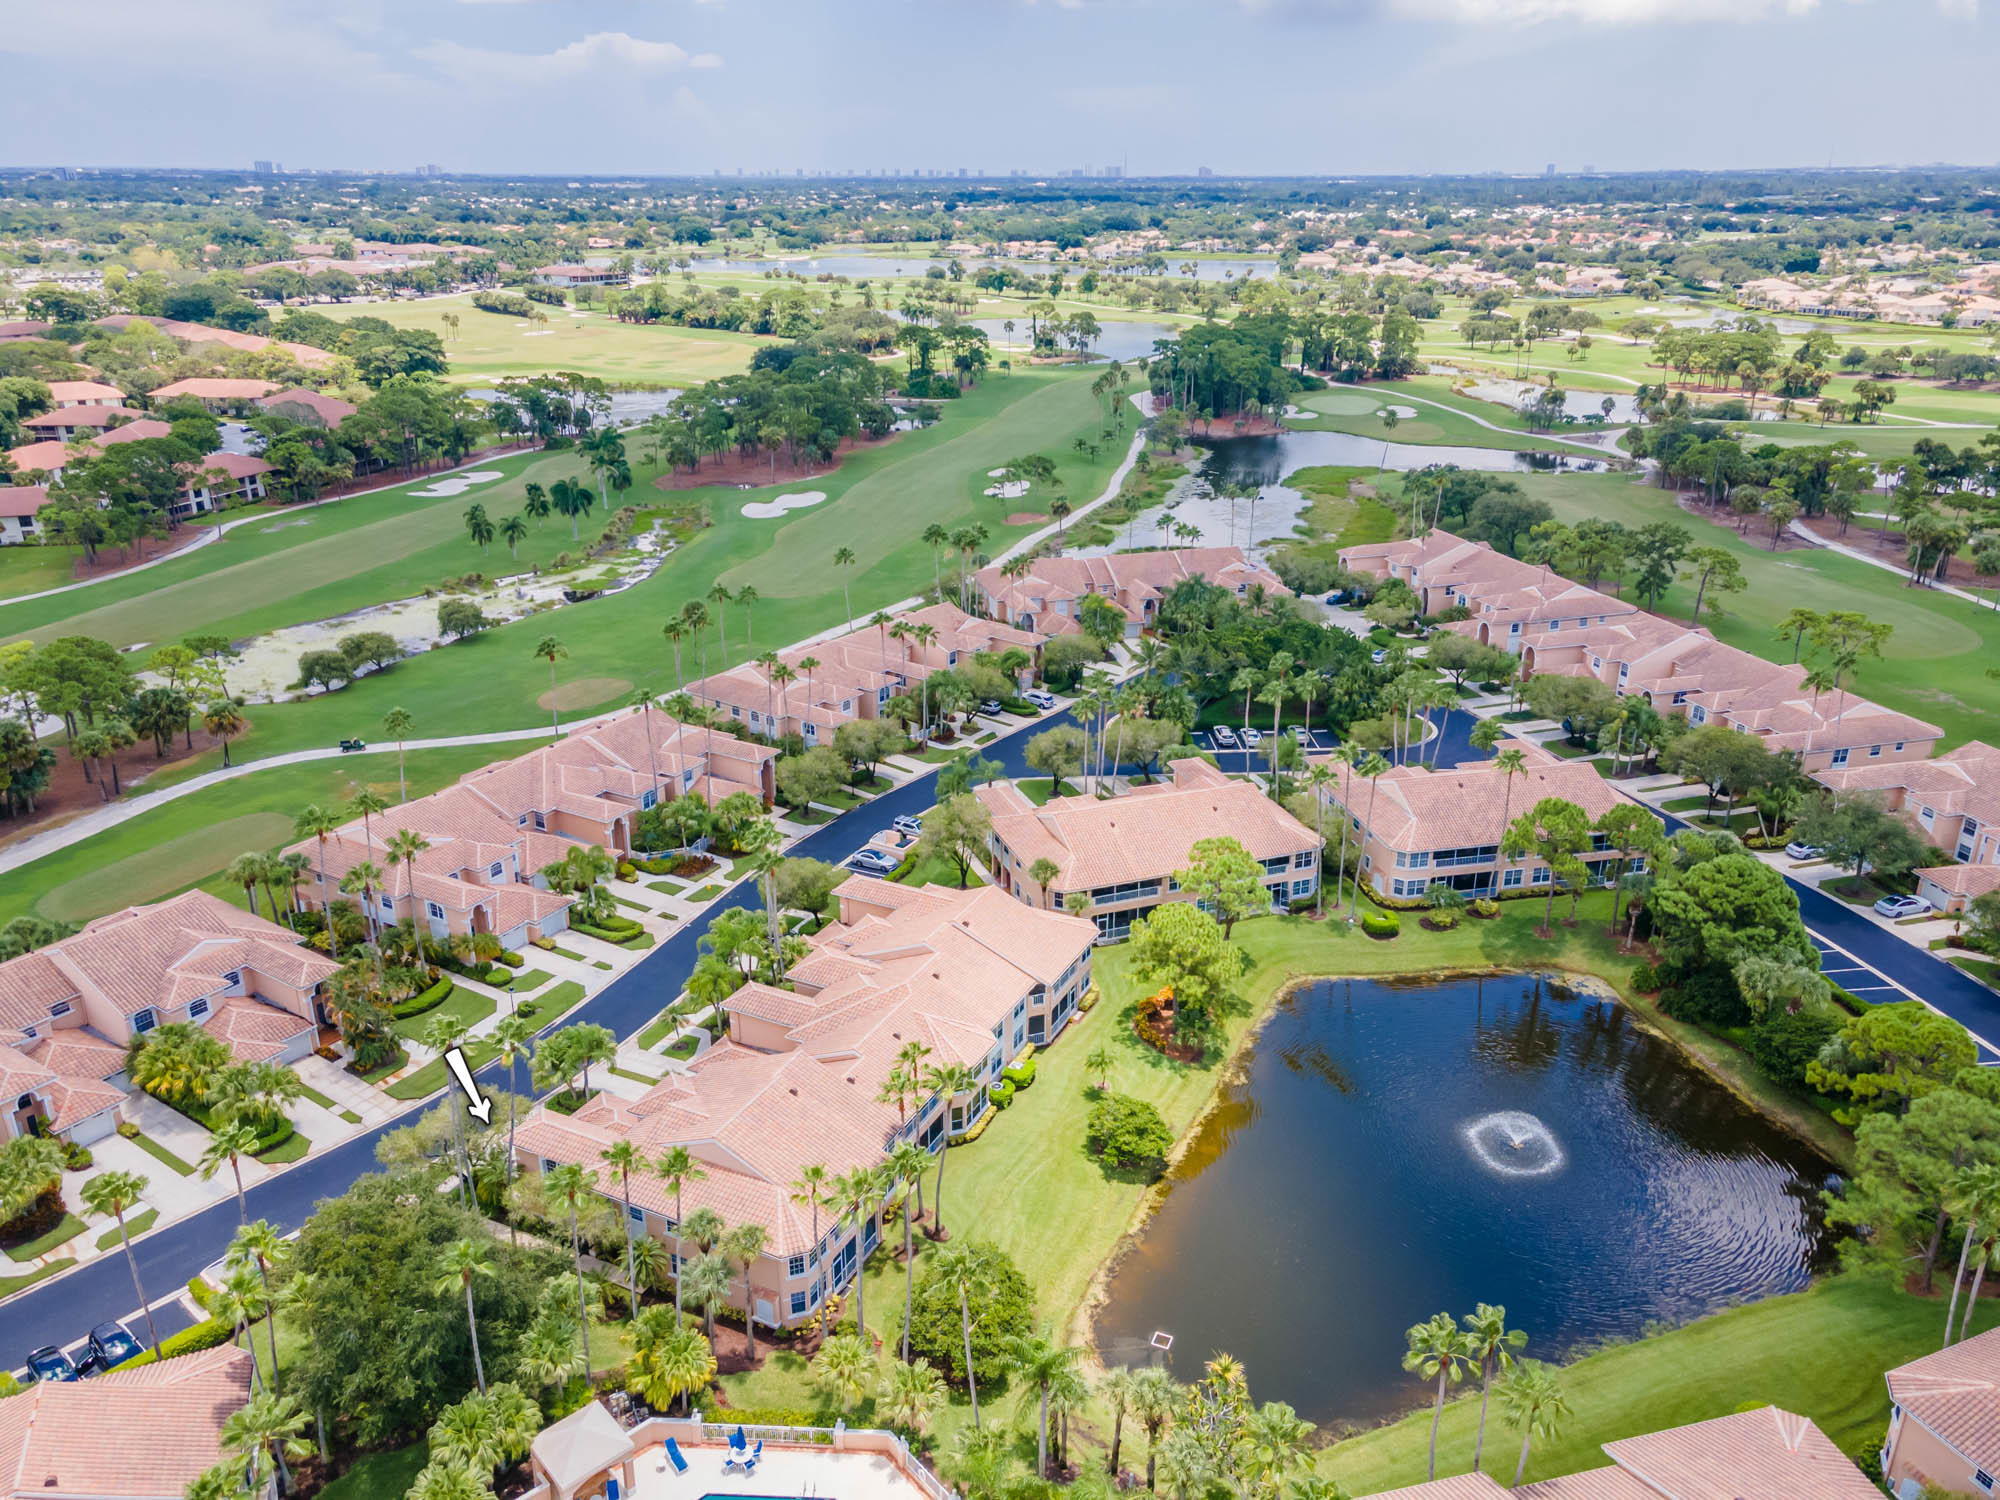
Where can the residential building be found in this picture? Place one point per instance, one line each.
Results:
(69, 1010)
(23, 328)
(44, 458)
(492, 833)
(1952, 801)
(217, 394)
(575, 275)
(312, 408)
(856, 674)
(971, 975)
(84, 393)
(228, 338)
(1418, 827)
(223, 478)
(1123, 852)
(69, 424)
(1765, 1454)
(19, 505)
(141, 1434)
(1944, 1421)
(1047, 599)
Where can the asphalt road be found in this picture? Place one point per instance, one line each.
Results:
(61, 1311)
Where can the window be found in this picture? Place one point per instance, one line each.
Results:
(1698, 716)
(1303, 860)
(795, 1266)
(1021, 1007)
(388, 903)
(1541, 875)
(435, 911)
(646, 799)
(1984, 1480)
(495, 870)
(197, 1009)
(798, 1303)
(1840, 756)
(541, 822)
(811, 730)
(1302, 887)
(1900, 744)
(1020, 1036)
(1873, 751)
(144, 1022)
(60, 1008)
(1680, 697)
(637, 1214)
(522, 821)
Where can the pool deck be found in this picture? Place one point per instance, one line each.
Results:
(863, 1467)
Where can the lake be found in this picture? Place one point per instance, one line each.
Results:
(1400, 1148)
(874, 267)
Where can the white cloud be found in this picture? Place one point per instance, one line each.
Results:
(600, 51)
(1621, 12)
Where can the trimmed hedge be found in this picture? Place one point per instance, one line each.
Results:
(1385, 924)
(1002, 1093)
(425, 1000)
(209, 1335)
(1021, 1074)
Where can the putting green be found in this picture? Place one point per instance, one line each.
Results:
(1340, 403)
(163, 869)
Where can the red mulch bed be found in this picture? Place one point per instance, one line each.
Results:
(1178, 1051)
(1864, 538)
(69, 795)
(756, 472)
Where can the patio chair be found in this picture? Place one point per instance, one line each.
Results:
(738, 1442)
(750, 1463)
(674, 1457)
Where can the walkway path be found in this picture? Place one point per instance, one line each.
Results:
(211, 533)
(1799, 530)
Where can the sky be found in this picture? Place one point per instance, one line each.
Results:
(1161, 87)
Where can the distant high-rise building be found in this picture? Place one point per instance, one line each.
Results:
(431, 169)
(1549, 170)
(264, 168)
(1204, 171)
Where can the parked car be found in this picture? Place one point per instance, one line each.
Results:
(1252, 737)
(1796, 850)
(872, 861)
(1224, 736)
(908, 823)
(50, 1363)
(1302, 734)
(1042, 700)
(1379, 655)
(990, 706)
(1895, 907)
(1336, 596)
(110, 1346)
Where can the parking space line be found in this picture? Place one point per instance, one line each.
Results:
(1827, 945)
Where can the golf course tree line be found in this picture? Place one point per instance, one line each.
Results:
(105, 707)
(794, 401)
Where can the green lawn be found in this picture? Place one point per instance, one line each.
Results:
(292, 1148)
(465, 1005)
(1820, 1353)
(552, 1002)
(137, 1225)
(528, 980)
(188, 842)
(935, 869)
(29, 570)
(66, 1229)
(12, 1284)
(431, 1076)
(161, 1154)
(387, 1475)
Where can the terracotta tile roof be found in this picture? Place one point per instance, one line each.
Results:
(1961, 782)
(30, 986)
(76, 1052)
(22, 500)
(74, 1100)
(139, 1434)
(84, 392)
(1465, 806)
(87, 414)
(1767, 1454)
(20, 1073)
(1608, 1483)
(133, 432)
(1956, 1394)
(47, 456)
(330, 410)
(254, 1031)
(1968, 881)
(1145, 833)
(1127, 579)
(1457, 1487)
(207, 388)
(229, 338)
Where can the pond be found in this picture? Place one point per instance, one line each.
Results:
(1117, 338)
(1400, 1148)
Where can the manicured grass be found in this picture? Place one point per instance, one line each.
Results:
(529, 979)
(553, 1001)
(575, 958)
(12, 1284)
(644, 1078)
(935, 869)
(377, 1074)
(432, 1075)
(160, 1153)
(67, 1228)
(1039, 790)
(1820, 1353)
(655, 1031)
(684, 1048)
(137, 1225)
(464, 1004)
(292, 1148)
(387, 1475)
(29, 570)
(707, 893)
(309, 1092)
(189, 842)
(350, 1117)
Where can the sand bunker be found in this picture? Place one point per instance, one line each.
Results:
(1013, 489)
(1403, 413)
(458, 484)
(1026, 518)
(765, 510)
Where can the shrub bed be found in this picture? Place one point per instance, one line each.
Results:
(1128, 1133)
(1021, 1074)
(1002, 1093)
(207, 1335)
(427, 999)
(1381, 924)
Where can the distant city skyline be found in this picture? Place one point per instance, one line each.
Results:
(1301, 88)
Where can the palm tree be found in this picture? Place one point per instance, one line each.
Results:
(1119, 1388)
(478, 526)
(907, 1161)
(1099, 1062)
(249, 871)
(719, 596)
(950, 1082)
(669, 1358)
(708, 1278)
(911, 1395)
(1371, 765)
(552, 650)
(625, 1156)
(1493, 1346)
(1532, 1401)
(572, 1187)
(747, 597)
(266, 1425)
(112, 1193)
(1972, 1196)
(1156, 1400)
(856, 1194)
(745, 1245)
(809, 1190)
(1437, 1348)
(319, 823)
(1041, 1362)
(514, 531)
(223, 719)
(397, 724)
(463, 1260)
(844, 558)
(535, 504)
(966, 1269)
(677, 1167)
(405, 844)
(242, 1302)
(228, 1144)
(934, 537)
(841, 1369)
(676, 630)
(259, 1244)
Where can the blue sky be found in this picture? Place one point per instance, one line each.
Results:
(1296, 87)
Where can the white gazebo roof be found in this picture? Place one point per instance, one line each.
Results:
(581, 1446)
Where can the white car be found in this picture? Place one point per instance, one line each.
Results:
(1379, 655)
(1224, 736)
(909, 824)
(1040, 699)
(1252, 737)
(1302, 734)
(1796, 850)
(1898, 907)
(873, 861)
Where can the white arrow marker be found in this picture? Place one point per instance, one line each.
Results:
(480, 1107)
